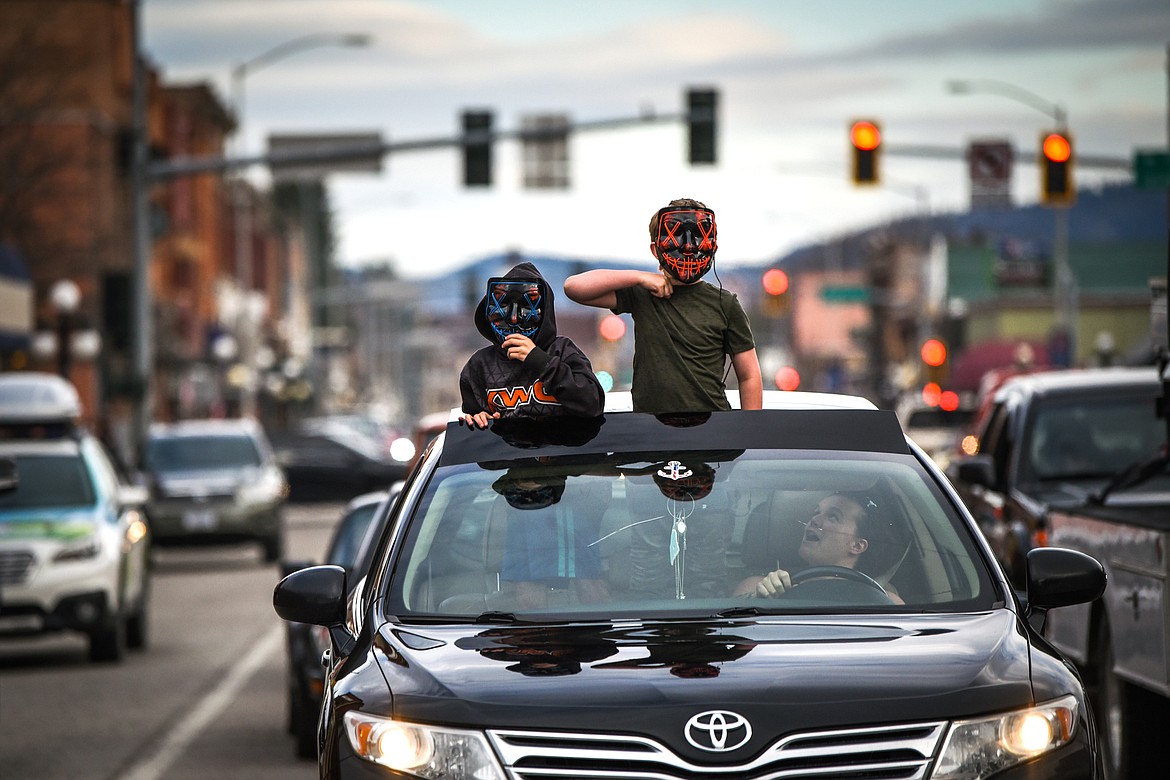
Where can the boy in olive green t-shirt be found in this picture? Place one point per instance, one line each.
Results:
(683, 326)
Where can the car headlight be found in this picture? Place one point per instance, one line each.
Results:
(421, 750)
(978, 748)
(80, 550)
(268, 488)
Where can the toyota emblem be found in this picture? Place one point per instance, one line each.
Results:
(718, 731)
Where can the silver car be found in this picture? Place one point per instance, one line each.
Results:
(215, 481)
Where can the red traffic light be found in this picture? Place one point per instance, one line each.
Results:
(934, 352)
(612, 328)
(787, 378)
(866, 138)
(865, 135)
(1056, 169)
(775, 281)
(1057, 148)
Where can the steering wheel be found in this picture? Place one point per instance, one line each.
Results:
(838, 572)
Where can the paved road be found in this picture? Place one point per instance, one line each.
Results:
(205, 699)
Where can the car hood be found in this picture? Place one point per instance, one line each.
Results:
(782, 674)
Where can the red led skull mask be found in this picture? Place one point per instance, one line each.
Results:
(685, 244)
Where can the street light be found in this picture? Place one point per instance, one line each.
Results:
(65, 341)
(1019, 94)
(239, 73)
(1065, 283)
(241, 207)
(65, 296)
(280, 52)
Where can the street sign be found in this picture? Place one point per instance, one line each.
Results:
(310, 157)
(1151, 170)
(545, 143)
(844, 294)
(989, 163)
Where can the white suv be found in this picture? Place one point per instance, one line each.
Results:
(74, 544)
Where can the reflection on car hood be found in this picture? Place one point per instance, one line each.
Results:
(205, 482)
(915, 669)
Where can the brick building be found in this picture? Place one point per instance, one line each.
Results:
(66, 208)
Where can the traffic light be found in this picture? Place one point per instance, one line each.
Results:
(934, 357)
(702, 105)
(787, 378)
(1056, 162)
(612, 327)
(477, 148)
(775, 283)
(866, 138)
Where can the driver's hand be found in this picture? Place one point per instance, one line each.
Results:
(773, 584)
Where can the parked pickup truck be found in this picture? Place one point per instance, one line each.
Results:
(1076, 459)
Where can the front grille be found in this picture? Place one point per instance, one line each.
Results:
(878, 753)
(14, 566)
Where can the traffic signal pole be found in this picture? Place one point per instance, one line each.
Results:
(343, 152)
(700, 116)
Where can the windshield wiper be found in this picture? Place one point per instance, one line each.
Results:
(494, 616)
(1132, 476)
(735, 612)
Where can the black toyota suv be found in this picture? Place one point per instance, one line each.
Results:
(654, 597)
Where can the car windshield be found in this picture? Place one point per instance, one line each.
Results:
(49, 481)
(606, 536)
(194, 453)
(1091, 438)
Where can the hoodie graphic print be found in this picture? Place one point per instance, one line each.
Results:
(555, 379)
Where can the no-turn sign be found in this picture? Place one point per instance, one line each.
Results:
(990, 166)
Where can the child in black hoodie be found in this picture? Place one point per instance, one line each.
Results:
(528, 371)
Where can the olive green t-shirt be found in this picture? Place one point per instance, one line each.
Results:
(680, 344)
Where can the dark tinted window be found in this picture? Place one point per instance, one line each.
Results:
(349, 535)
(192, 453)
(939, 418)
(49, 481)
(1097, 436)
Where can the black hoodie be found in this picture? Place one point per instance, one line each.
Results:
(556, 378)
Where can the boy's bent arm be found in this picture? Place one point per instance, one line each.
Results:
(751, 384)
(599, 287)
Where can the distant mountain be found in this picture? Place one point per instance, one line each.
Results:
(1115, 214)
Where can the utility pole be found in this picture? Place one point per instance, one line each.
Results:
(143, 323)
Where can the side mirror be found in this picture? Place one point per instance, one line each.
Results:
(288, 567)
(133, 495)
(1060, 578)
(315, 595)
(977, 470)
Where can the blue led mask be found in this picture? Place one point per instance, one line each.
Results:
(514, 306)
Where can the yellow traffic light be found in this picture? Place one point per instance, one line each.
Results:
(866, 138)
(1056, 162)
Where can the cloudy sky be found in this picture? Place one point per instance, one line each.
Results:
(791, 75)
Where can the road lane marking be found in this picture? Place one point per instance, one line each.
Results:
(176, 742)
